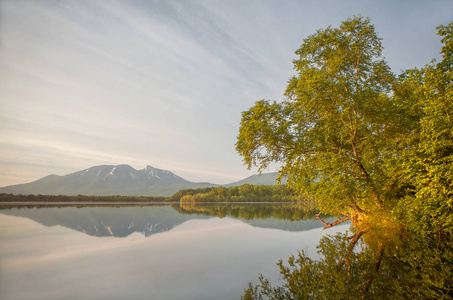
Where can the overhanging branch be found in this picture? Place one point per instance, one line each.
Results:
(328, 225)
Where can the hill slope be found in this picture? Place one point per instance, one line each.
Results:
(121, 180)
(263, 179)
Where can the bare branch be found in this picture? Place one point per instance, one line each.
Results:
(328, 225)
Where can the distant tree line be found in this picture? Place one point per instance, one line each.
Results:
(243, 193)
(78, 198)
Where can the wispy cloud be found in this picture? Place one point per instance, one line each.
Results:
(154, 82)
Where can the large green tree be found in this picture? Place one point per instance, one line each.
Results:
(333, 133)
(364, 141)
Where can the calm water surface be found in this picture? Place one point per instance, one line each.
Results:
(154, 252)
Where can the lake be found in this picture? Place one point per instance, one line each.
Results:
(149, 252)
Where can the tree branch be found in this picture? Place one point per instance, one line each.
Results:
(328, 225)
(365, 174)
(354, 239)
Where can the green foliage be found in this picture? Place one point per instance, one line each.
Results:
(369, 145)
(330, 134)
(356, 137)
(243, 193)
(428, 162)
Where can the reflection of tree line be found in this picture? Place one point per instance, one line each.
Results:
(377, 266)
(294, 212)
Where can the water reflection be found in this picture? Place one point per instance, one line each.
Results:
(372, 263)
(44, 253)
(107, 221)
(212, 252)
(285, 211)
(148, 220)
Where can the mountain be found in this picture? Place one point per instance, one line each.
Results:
(108, 180)
(120, 180)
(263, 179)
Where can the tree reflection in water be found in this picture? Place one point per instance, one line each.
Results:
(305, 210)
(372, 262)
(367, 264)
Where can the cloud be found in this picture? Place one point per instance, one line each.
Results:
(159, 82)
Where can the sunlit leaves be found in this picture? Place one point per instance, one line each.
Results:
(361, 138)
(356, 137)
(328, 133)
(429, 163)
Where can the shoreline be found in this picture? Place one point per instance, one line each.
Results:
(87, 203)
(101, 203)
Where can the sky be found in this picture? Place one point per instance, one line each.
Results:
(163, 83)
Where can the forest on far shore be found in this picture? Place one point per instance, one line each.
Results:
(243, 193)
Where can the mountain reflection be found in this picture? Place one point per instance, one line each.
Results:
(148, 220)
(106, 221)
